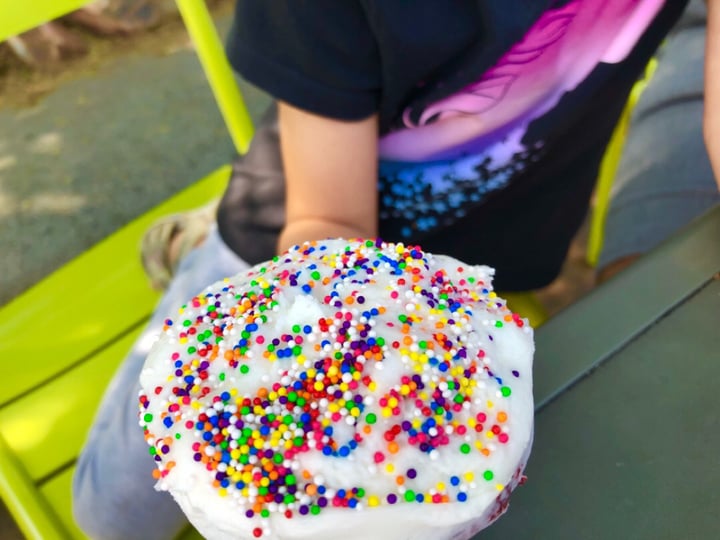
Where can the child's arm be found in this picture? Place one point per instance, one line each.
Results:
(712, 86)
(331, 174)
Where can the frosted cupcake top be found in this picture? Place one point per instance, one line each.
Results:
(345, 388)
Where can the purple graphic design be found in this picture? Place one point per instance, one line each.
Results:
(447, 158)
(556, 55)
(494, 86)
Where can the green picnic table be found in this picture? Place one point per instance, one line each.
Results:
(627, 390)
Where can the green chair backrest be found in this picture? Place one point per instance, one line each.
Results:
(17, 16)
(217, 69)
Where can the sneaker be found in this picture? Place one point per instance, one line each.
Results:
(171, 238)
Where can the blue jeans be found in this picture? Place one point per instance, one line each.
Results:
(113, 493)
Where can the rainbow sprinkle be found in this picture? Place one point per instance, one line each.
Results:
(291, 359)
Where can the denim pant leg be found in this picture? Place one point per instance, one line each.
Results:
(113, 493)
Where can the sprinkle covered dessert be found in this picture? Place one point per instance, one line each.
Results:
(345, 389)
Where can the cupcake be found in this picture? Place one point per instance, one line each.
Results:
(348, 389)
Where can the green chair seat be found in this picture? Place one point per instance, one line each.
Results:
(60, 343)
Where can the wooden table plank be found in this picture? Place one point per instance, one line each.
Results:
(632, 450)
(576, 341)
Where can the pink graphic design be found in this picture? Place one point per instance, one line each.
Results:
(496, 83)
(489, 118)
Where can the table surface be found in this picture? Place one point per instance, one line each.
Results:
(627, 433)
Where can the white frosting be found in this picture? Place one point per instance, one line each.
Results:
(453, 357)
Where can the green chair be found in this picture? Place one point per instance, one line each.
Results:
(88, 312)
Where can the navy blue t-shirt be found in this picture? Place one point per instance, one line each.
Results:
(493, 115)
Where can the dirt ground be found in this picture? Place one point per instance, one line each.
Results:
(24, 86)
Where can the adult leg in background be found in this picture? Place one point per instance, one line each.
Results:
(664, 179)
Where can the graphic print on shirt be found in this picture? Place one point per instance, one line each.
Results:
(451, 154)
